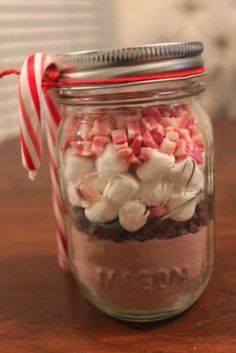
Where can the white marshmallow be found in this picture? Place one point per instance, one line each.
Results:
(133, 215)
(76, 167)
(109, 164)
(95, 182)
(73, 196)
(183, 206)
(90, 189)
(187, 174)
(121, 188)
(155, 167)
(153, 194)
(101, 212)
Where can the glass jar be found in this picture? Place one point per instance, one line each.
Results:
(136, 164)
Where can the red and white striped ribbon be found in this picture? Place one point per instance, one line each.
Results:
(36, 103)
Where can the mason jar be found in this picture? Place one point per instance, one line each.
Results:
(135, 155)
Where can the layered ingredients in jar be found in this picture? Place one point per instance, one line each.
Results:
(134, 184)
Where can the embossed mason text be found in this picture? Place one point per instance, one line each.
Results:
(143, 279)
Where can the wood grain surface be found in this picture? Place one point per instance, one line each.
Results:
(42, 310)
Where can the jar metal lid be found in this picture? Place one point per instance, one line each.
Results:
(139, 60)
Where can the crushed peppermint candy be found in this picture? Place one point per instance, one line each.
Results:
(134, 132)
(119, 136)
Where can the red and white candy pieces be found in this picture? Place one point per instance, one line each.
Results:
(129, 131)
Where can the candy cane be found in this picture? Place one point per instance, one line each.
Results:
(34, 102)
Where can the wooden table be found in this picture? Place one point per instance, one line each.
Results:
(41, 309)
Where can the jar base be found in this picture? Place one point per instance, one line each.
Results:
(137, 315)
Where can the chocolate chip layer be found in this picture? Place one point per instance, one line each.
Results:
(154, 229)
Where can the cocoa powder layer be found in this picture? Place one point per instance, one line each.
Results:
(157, 274)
